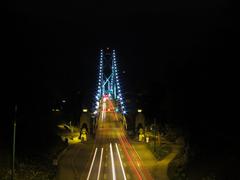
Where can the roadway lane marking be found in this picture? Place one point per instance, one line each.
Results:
(90, 170)
(100, 164)
(124, 175)
(113, 165)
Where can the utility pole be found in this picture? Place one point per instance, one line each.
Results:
(14, 141)
(155, 129)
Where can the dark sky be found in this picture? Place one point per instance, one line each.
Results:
(50, 48)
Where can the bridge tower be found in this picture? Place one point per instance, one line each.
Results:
(108, 83)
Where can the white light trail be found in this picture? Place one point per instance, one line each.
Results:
(124, 175)
(90, 170)
(113, 165)
(100, 164)
(104, 111)
(102, 115)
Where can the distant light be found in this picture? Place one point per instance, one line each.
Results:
(104, 99)
(57, 110)
(124, 112)
(85, 110)
(63, 101)
(53, 110)
(139, 110)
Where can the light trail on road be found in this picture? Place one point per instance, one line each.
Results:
(130, 159)
(124, 175)
(113, 165)
(100, 164)
(90, 170)
(115, 114)
(136, 157)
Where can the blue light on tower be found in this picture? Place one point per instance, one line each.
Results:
(99, 80)
(109, 84)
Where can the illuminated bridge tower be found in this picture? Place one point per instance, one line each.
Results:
(108, 83)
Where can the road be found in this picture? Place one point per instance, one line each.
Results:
(73, 162)
(110, 157)
(114, 158)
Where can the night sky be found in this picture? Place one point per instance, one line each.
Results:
(171, 51)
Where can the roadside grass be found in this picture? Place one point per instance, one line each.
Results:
(177, 167)
(28, 168)
(161, 151)
(31, 164)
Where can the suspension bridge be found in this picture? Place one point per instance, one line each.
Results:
(112, 155)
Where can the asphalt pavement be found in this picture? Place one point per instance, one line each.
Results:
(109, 156)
